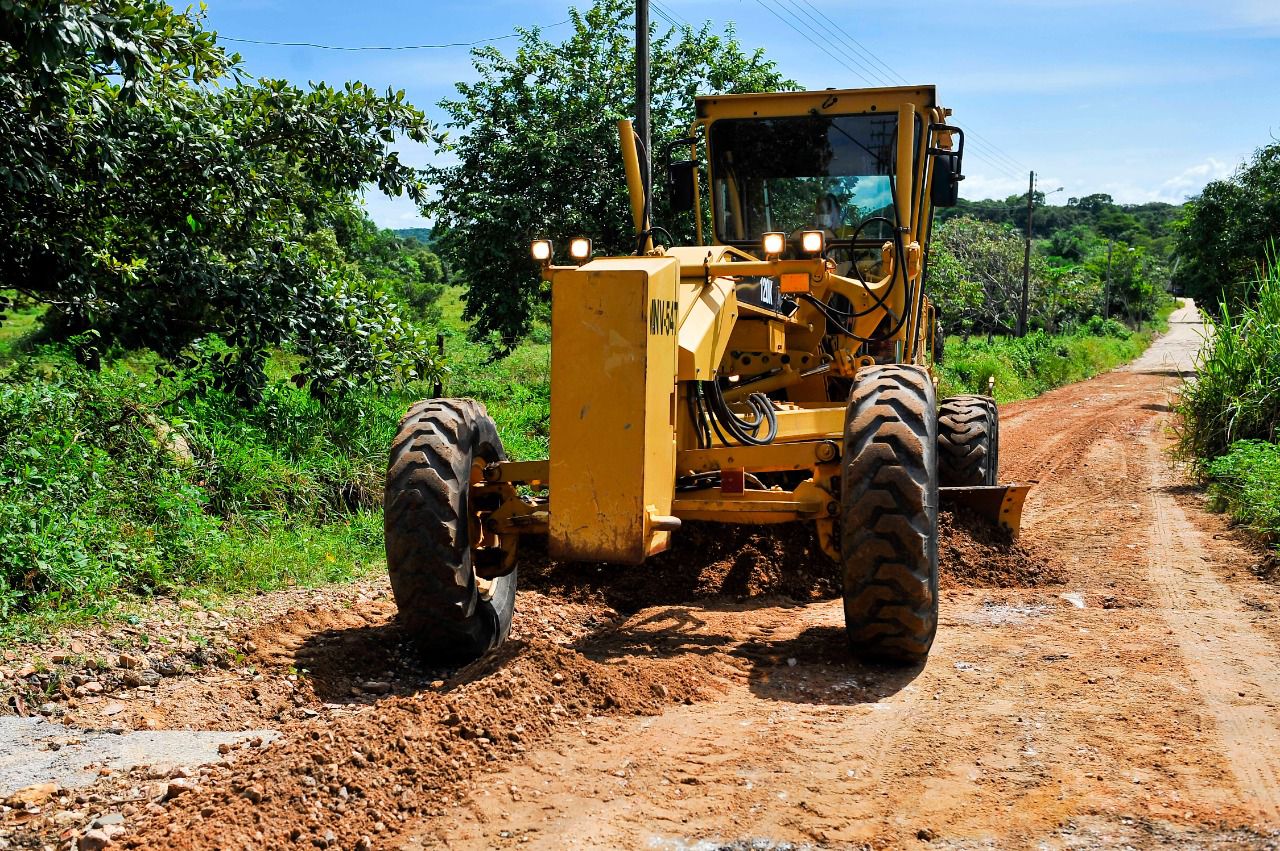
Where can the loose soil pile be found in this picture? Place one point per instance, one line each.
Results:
(708, 560)
(976, 553)
(705, 560)
(342, 782)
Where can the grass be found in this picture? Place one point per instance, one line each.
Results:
(1235, 394)
(1246, 483)
(1229, 412)
(1028, 366)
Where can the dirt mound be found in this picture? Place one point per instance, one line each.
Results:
(340, 783)
(705, 560)
(974, 552)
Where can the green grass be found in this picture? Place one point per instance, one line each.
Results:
(1031, 365)
(1235, 393)
(1246, 483)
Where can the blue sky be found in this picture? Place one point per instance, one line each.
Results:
(1145, 100)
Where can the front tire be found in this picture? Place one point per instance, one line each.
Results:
(889, 515)
(440, 448)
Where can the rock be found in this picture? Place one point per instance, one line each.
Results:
(254, 794)
(150, 677)
(178, 786)
(168, 668)
(113, 709)
(376, 687)
(31, 796)
(92, 687)
(188, 605)
(132, 679)
(130, 662)
(48, 709)
(926, 834)
(108, 819)
(94, 840)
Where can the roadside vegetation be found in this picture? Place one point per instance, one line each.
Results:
(197, 391)
(1230, 411)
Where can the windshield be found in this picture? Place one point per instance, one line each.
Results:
(802, 173)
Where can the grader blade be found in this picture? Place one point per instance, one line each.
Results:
(998, 503)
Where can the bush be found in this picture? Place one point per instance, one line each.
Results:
(1235, 394)
(109, 487)
(1028, 366)
(1246, 483)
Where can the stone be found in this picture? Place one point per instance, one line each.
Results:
(94, 840)
(108, 819)
(132, 662)
(178, 786)
(376, 687)
(31, 796)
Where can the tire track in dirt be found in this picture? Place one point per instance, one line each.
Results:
(1236, 669)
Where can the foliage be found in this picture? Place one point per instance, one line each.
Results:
(1235, 394)
(975, 276)
(1072, 229)
(537, 149)
(107, 486)
(1031, 365)
(1246, 483)
(1224, 236)
(153, 196)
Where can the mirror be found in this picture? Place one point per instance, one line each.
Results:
(680, 176)
(944, 191)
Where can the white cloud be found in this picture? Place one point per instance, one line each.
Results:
(1192, 179)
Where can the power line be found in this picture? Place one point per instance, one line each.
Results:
(1012, 160)
(817, 30)
(854, 41)
(381, 47)
(672, 16)
(823, 48)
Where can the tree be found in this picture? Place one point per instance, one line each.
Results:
(975, 275)
(537, 149)
(1226, 232)
(154, 195)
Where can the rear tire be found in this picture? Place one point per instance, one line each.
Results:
(428, 531)
(968, 441)
(889, 515)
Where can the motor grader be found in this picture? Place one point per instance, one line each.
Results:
(781, 370)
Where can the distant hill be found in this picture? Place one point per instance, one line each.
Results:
(422, 235)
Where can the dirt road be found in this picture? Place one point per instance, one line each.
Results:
(1127, 697)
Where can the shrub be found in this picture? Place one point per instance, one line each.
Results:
(1246, 482)
(1235, 394)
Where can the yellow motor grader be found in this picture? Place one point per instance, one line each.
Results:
(781, 370)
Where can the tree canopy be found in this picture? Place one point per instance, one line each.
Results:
(537, 148)
(155, 194)
(1229, 229)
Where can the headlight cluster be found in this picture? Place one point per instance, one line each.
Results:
(812, 242)
(579, 250)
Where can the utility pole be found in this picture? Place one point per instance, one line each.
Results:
(1106, 299)
(642, 93)
(1026, 259)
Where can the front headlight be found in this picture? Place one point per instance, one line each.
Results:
(811, 241)
(774, 244)
(580, 248)
(541, 250)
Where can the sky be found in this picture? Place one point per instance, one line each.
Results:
(1145, 100)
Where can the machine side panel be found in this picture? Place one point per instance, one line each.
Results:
(613, 365)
